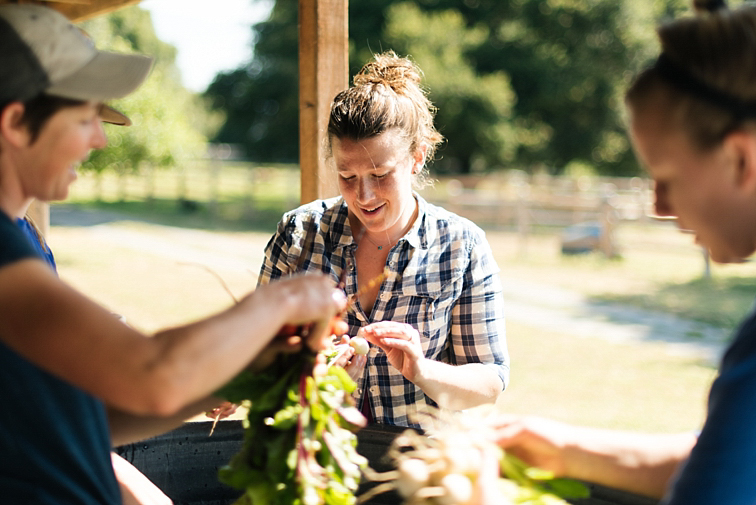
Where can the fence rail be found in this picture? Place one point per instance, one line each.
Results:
(508, 200)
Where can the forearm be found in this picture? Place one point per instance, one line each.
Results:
(639, 463)
(197, 359)
(126, 428)
(136, 488)
(458, 387)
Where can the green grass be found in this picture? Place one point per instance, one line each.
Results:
(592, 382)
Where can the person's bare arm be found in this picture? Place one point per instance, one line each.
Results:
(136, 488)
(127, 428)
(451, 386)
(636, 462)
(65, 333)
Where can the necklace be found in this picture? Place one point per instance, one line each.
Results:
(380, 247)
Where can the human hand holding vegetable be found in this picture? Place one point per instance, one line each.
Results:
(400, 342)
(536, 441)
(641, 463)
(311, 306)
(351, 355)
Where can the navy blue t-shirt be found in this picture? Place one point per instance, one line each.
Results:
(54, 439)
(722, 466)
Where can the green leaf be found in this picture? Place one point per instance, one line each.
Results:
(569, 488)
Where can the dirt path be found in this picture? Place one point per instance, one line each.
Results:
(555, 309)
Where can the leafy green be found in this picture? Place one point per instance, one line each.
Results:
(538, 484)
(299, 445)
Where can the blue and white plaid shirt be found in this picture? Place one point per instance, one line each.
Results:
(441, 279)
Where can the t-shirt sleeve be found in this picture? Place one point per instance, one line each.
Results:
(721, 466)
(13, 244)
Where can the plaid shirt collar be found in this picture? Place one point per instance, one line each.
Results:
(420, 236)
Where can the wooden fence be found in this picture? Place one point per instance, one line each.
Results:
(507, 200)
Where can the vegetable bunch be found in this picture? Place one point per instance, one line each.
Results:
(442, 466)
(299, 442)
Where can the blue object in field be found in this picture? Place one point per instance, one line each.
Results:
(581, 238)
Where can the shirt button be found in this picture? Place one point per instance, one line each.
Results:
(392, 263)
(385, 296)
(374, 390)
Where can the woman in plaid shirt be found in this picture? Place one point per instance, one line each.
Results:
(435, 321)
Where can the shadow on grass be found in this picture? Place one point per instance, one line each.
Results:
(226, 216)
(718, 302)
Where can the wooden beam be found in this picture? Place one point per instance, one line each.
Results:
(323, 72)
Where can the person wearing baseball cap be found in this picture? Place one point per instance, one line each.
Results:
(77, 381)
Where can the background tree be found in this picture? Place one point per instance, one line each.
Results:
(530, 84)
(169, 122)
(261, 100)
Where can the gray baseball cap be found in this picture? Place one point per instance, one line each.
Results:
(42, 51)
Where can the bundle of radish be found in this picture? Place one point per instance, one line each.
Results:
(299, 442)
(442, 466)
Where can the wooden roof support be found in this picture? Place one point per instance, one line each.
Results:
(323, 72)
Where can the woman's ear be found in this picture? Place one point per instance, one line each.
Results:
(12, 128)
(742, 147)
(419, 158)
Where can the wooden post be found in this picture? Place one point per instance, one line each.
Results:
(323, 72)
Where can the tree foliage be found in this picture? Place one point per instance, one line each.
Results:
(169, 122)
(531, 84)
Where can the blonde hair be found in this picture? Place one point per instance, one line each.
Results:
(706, 74)
(386, 95)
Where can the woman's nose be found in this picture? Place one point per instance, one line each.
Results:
(365, 190)
(99, 139)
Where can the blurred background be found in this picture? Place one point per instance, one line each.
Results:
(615, 319)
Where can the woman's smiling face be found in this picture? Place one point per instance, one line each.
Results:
(375, 180)
(48, 164)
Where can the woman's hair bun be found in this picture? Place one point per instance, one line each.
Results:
(390, 70)
(709, 5)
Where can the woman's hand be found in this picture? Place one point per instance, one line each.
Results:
(400, 342)
(537, 441)
(312, 305)
(352, 362)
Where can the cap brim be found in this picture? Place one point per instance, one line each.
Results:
(105, 77)
(110, 115)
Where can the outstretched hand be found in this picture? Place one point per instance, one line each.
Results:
(536, 441)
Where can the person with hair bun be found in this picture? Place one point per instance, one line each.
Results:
(693, 126)
(424, 284)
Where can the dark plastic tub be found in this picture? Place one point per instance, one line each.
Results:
(184, 464)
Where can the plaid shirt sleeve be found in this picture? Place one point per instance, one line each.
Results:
(275, 264)
(477, 333)
(298, 243)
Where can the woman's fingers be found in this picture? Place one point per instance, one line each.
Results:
(356, 366)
